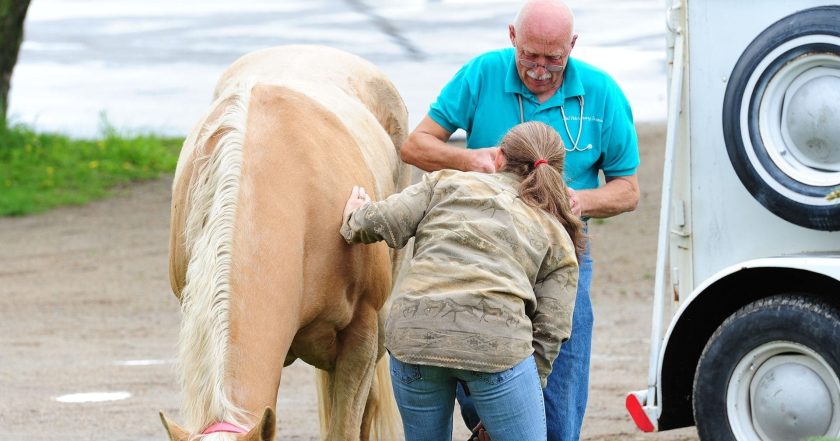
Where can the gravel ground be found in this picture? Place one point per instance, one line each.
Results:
(85, 307)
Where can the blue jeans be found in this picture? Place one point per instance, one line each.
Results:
(568, 385)
(510, 403)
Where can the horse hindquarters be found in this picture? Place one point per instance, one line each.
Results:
(300, 162)
(285, 266)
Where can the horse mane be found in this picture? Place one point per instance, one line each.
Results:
(212, 205)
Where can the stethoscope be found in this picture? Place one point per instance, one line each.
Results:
(565, 123)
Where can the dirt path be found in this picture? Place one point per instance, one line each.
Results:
(85, 307)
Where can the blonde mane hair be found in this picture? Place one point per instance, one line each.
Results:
(212, 204)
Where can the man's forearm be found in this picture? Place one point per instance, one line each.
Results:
(618, 195)
(429, 153)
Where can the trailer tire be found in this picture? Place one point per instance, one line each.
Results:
(781, 118)
(771, 372)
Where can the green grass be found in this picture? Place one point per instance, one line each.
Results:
(39, 171)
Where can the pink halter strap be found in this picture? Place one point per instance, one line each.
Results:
(223, 427)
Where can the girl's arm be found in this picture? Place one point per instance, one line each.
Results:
(393, 220)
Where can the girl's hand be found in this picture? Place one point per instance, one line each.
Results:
(358, 197)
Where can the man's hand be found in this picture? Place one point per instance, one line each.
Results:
(358, 197)
(482, 160)
(479, 434)
(574, 202)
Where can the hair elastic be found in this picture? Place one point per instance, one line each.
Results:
(540, 162)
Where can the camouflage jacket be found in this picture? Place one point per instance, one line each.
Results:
(492, 280)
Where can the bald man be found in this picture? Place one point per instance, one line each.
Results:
(537, 80)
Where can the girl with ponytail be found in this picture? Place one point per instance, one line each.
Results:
(534, 152)
(487, 299)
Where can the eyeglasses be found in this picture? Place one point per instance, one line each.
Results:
(548, 67)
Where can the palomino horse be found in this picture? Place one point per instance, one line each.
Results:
(256, 259)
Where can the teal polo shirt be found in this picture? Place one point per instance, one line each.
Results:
(482, 99)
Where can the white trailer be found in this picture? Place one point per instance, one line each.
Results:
(748, 267)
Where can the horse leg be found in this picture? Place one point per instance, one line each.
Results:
(374, 400)
(262, 326)
(381, 420)
(371, 407)
(350, 381)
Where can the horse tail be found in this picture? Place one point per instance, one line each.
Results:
(322, 384)
(216, 151)
(384, 418)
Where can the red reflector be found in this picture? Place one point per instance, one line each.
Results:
(634, 407)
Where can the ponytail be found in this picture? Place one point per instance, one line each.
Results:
(535, 152)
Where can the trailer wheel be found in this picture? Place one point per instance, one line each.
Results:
(771, 372)
(781, 118)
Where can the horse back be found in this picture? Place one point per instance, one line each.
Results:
(309, 67)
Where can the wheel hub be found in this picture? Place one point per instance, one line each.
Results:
(789, 400)
(781, 391)
(811, 121)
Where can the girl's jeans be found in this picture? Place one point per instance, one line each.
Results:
(568, 385)
(509, 403)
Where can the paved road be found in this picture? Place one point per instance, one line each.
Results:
(152, 64)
